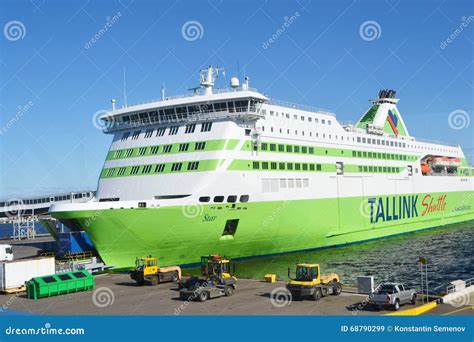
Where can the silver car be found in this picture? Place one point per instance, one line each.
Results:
(392, 295)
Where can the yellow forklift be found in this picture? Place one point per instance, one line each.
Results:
(147, 271)
(309, 283)
(216, 280)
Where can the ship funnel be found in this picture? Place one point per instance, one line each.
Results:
(384, 118)
(387, 94)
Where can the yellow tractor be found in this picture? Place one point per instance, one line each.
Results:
(147, 271)
(309, 283)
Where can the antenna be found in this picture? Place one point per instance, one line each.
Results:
(124, 89)
(163, 92)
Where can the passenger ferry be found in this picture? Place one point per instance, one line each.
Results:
(233, 172)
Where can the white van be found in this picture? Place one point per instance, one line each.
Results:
(6, 253)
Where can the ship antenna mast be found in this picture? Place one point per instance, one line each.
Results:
(208, 76)
(124, 89)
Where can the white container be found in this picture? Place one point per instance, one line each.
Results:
(14, 274)
(6, 253)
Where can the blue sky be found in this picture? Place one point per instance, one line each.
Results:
(54, 78)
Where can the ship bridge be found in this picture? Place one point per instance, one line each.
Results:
(203, 103)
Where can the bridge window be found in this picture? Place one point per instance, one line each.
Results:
(220, 107)
(153, 116)
(241, 106)
(181, 112)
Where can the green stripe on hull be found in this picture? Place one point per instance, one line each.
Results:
(181, 234)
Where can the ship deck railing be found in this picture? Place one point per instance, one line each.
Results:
(300, 107)
(242, 113)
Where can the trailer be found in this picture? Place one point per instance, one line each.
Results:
(14, 274)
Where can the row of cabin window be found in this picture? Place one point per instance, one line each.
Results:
(198, 146)
(310, 150)
(286, 166)
(155, 168)
(220, 199)
(379, 155)
(173, 130)
(359, 139)
(381, 169)
(310, 119)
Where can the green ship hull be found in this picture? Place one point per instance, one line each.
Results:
(182, 234)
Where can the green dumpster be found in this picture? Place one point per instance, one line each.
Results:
(58, 284)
